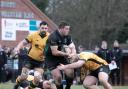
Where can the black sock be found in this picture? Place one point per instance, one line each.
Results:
(68, 86)
(16, 86)
(69, 82)
(60, 87)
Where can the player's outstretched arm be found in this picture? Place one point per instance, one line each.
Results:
(74, 65)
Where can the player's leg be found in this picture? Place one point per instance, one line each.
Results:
(57, 76)
(118, 76)
(49, 84)
(90, 82)
(24, 73)
(44, 84)
(38, 72)
(103, 76)
(112, 77)
(21, 77)
(69, 77)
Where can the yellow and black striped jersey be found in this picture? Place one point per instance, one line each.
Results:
(92, 60)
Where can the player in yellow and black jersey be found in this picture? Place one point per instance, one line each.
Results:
(37, 41)
(98, 70)
(42, 84)
(37, 45)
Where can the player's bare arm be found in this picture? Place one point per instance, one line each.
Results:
(56, 52)
(20, 45)
(74, 65)
(72, 51)
(72, 47)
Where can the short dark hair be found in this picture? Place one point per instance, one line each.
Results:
(63, 24)
(43, 23)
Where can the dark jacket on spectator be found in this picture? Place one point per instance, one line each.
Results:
(105, 54)
(3, 58)
(116, 55)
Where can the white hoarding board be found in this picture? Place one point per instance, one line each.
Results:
(10, 26)
(8, 30)
(22, 25)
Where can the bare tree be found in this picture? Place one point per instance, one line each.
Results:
(91, 20)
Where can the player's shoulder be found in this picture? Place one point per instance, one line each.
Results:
(33, 33)
(54, 35)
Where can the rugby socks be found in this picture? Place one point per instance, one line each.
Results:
(69, 82)
(60, 87)
(32, 85)
(68, 86)
(16, 86)
(19, 81)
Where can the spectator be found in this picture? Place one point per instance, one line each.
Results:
(96, 49)
(81, 48)
(104, 52)
(3, 61)
(116, 56)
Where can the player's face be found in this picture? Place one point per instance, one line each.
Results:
(44, 28)
(66, 30)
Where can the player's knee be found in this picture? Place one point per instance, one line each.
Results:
(86, 85)
(58, 80)
(21, 78)
(25, 71)
(102, 81)
(37, 75)
(36, 80)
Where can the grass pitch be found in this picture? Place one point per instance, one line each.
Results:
(9, 85)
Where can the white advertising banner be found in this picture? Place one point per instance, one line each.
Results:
(10, 26)
(22, 24)
(8, 30)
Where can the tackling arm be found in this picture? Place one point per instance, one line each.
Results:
(74, 65)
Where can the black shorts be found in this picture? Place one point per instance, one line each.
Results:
(31, 63)
(100, 69)
(52, 64)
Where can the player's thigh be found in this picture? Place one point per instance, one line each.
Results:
(40, 70)
(56, 73)
(90, 80)
(103, 76)
(69, 72)
(25, 70)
